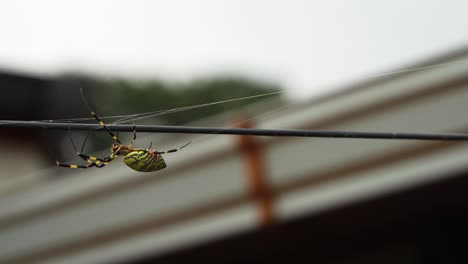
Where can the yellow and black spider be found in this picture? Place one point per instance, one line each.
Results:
(139, 159)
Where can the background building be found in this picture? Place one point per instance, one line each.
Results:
(250, 199)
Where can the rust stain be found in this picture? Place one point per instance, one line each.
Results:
(253, 154)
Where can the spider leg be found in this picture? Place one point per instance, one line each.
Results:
(74, 166)
(173, 150)
(89, 159)
(82, 146)
(84, 142)
(92, 160)
(101, 165)
(134, 136)
(97, 118)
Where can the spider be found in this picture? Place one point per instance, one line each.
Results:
(139, 159)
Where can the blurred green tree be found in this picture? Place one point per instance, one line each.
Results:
(115, 96)
(118, 96)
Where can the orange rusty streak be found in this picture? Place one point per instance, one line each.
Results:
(255, 172)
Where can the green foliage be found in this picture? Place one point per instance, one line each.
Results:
(121, 96)
(128, 97)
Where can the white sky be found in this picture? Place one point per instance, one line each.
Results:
(304, 45)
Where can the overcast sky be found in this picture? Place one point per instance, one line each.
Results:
(307, 46)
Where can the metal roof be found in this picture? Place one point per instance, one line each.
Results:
(114, 213)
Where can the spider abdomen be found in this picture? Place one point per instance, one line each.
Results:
(144, 160)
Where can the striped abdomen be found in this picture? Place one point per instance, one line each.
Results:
(144, 160)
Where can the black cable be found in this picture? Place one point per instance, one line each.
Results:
(236, 131)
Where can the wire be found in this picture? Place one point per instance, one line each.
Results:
(133, 117)
(237, 131)
(59, 124)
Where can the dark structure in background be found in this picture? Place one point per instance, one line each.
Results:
(428, 224)
(26, 97)
(35, 98)
(22, 98)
